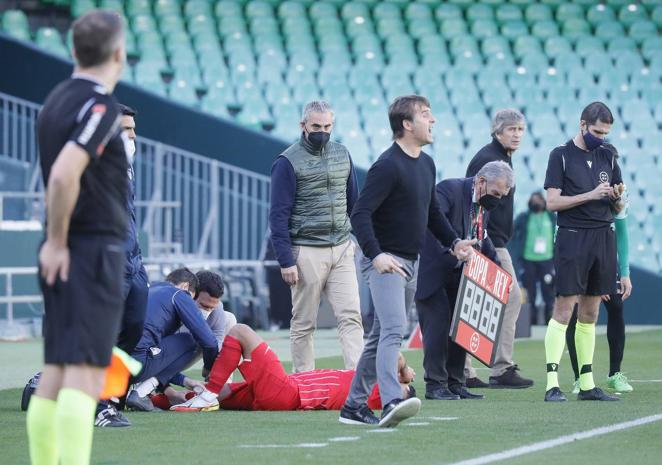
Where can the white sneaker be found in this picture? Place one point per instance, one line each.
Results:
(206, 401)
(575, 387)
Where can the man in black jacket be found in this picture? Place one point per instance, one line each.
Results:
(466, 203)
(507, 131)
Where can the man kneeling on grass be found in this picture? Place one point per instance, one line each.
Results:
(267, 386)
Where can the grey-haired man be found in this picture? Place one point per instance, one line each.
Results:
(313, 190)
(508, 127)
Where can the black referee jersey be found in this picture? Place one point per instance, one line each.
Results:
(81, 111)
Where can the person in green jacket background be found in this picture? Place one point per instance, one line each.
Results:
(533, 251)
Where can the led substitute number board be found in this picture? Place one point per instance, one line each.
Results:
(479, 308)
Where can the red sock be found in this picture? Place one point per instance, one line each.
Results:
(226, 362)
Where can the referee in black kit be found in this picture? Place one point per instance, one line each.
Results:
(583, 185)
(84, 166)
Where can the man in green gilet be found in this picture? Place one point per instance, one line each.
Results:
(313, 189)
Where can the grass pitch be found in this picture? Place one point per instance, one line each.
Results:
(444, 432)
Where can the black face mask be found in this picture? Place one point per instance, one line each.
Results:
(318, 139)
(592, 142)
(488, 201)
(536, 207)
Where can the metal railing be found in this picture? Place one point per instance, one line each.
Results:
(186, 203)
(9, 298)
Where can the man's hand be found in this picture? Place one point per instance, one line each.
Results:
(385, 263)
(193, 384)
(603, 190)
(54, 261)
(290, 275)
(463, 250)
(407, 375)
(626, 288)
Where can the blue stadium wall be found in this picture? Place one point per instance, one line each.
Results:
(29, 73)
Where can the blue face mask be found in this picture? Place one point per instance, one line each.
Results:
(592, 142)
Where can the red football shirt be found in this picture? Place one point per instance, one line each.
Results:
(328, 389)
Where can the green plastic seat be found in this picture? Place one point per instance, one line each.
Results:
(355, 28)
(656, 15)
(215, 104)
(289, 9)
(50, 39)
(538, 12)
(453, 27)
(228, 9)
(608, 30)
(386, 10)
(574, 28)
(462, 44)
(15, 23)
(258, 8)
(508, 12)
(228, 26)
(166, 7)
(389, 27)
(495, 45)
(352, 10)
(114, 5)
(422, 29)
(479, 11)
(629, 62)
(169, 24)
(447, 11)
(599, 13)
(651, 47)
(197, 7)
(484, 28)
(514, 29)
(588, 45)
(642, 30)
(80, 7)
(629, 14)
(557, 46)
(535, 63)
(597, 63)
(134, 7)
(545, 29)
(417, 11)
(143, 23)
(567, 11)
(618, 45)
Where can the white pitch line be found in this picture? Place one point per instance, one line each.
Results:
(344, 438)
(418, 423)
(441, 418)
(305, 445)
(382, 430)
(645, 380)
(542, 445)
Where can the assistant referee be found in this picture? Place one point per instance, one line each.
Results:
(581, 181)
(84, 165)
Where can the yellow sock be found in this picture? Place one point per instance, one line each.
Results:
(40, 423)
(74, 419)
(585, 343)
(554, 345)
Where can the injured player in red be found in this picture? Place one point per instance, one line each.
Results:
(267, 386)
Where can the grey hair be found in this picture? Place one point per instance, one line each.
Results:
(495, 170)
(317, 106)
(506, 117)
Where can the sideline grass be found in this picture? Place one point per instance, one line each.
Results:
(506, 419)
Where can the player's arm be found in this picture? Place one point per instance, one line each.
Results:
(190, 316)
(61, 196)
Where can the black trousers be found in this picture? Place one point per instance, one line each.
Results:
(539, 273)
(615, 335)
(443, 360)
(136, 290)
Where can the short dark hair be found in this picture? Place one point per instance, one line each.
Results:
(96, 36)
(183, 275)
(597, 111)
(403, 108)
(211, 283)
(127, 110)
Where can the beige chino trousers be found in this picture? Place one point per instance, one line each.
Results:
(330, 271)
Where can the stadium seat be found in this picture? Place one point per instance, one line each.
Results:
(631, 13)
(15, 23)
(538, 12)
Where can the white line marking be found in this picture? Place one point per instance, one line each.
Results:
(419, 423)
(542, 445)
(344, 438)
(305, 445)
(645, 380)
(441, 418)
(382, 430)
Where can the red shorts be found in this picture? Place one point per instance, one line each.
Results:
(267, 385)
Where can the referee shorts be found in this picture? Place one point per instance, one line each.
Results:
(82, 315)
(585, 261)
